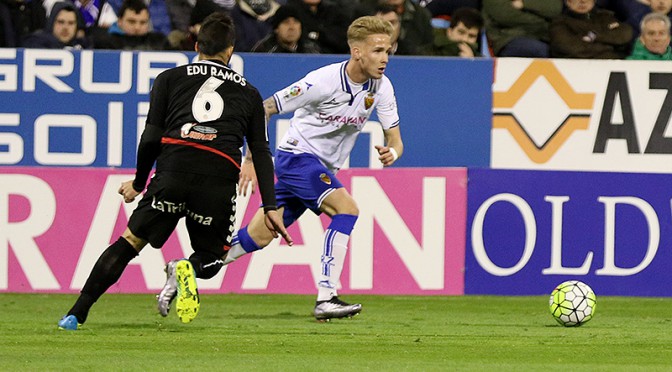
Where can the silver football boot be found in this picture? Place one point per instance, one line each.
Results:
(335, 308)
(165, 298)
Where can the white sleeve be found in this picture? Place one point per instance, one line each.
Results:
(299, 94)
(387, 108)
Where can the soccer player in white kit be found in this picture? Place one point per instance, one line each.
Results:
(331, 105)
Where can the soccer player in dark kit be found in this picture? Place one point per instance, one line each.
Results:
(199, 116)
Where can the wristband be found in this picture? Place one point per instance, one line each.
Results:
(395, 156)
(268, 208)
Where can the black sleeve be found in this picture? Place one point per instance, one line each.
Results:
(150, 141)
(257, 141)
(148, 150)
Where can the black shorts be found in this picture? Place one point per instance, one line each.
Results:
(206, 202)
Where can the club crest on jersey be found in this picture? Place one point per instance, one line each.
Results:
(198, 132)
(325, 178)
(368, 101)
(293, 92)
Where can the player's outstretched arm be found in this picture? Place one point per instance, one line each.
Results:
(270, 107)
(393, 149)
(248, 175)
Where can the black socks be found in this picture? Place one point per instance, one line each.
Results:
(105, 272)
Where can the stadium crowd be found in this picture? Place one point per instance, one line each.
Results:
(599, 29)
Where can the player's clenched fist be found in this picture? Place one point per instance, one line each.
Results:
(388, 155)
(127, 191)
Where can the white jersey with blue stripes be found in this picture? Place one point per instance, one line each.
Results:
(330, 110)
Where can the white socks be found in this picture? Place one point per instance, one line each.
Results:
(333, 258)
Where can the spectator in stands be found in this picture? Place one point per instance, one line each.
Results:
(416, 35)
(92, 14)
(324, 23)
(19, 18)
(635, 10)
(251, 18)
(348, 7)
(60, 31)
(661, 6)
(131, 31)
(186, 40)
(179, 12)
(654, 41)
(519, 28)
(584, 31)
(287, 36)
(460, 39)
(159, 17)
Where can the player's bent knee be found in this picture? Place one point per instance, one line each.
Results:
(339, 202)
(133, 240)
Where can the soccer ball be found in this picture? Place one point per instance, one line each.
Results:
(572, 303)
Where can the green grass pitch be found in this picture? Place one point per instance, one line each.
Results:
(278, 333)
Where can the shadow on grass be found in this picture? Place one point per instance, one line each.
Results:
(283, 315)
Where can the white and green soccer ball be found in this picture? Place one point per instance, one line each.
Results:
(572, 303)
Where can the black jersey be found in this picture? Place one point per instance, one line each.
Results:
(199, 117)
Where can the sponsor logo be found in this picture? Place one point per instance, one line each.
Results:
(368, 101)
(325, 178)
(504, 115)
(198, 132)
(358, 121)
(166, 206)
(293, 92)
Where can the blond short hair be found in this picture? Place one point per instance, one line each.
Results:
(363, 27)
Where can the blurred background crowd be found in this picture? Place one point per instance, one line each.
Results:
(588, 29)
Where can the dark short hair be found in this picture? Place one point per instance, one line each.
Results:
(63, 6)
(136, 6)
(217, 34)
(469, 17)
